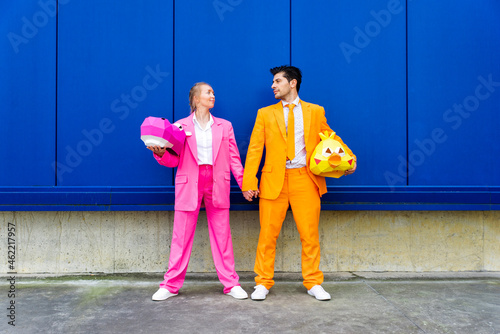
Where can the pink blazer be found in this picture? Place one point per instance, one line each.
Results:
(226, 159)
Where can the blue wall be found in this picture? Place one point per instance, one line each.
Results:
(413, 87)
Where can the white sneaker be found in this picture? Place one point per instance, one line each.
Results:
(163, 294)
(238, 293)
(260, 292)
(319, 293)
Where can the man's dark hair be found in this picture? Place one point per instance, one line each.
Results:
(289, 72)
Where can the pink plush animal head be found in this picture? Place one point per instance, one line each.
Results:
(157, 131)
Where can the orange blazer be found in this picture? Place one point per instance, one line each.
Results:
(270, 132)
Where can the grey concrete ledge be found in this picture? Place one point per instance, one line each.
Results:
(249, 276)
(461, 275)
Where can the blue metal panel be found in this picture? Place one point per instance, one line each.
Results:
(161, 198)
(353, 58)
(116, 66)
(454, 92)
(231, 45)
(114, 69)
(27, 93)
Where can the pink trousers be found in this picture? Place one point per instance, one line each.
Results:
(183, 235)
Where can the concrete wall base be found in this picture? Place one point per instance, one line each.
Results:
(126, 242)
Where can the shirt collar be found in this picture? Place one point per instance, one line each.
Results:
(195, 121)
(296, 101)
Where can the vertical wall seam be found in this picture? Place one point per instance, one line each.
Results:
(57, 54)
(173, 78)
(290, 21)
(173, 59)
(407, 105)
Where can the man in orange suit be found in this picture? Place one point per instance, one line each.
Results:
(289, 130)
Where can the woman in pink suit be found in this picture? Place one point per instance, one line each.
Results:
(204, 171)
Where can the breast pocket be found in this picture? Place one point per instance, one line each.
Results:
(180, 179)
(267, 169)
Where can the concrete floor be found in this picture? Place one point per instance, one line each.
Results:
(361, 303)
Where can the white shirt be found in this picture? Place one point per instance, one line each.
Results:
(300, 144)
(204, 141)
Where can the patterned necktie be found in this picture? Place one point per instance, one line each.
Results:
(290, 139)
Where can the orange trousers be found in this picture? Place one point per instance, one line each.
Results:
(301, 193)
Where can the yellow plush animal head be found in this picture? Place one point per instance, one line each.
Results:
(330, 158)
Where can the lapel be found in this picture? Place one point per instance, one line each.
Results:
(191, 140)
(280, 118)
(217, 130)
(306, 115)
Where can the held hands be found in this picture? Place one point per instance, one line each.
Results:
(250, 194)
(159, 151)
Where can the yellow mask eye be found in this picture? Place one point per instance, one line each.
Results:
(340, 151)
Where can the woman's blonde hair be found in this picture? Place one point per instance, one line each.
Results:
(195, 91)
